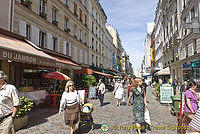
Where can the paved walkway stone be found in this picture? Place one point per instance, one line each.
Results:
(119, 119)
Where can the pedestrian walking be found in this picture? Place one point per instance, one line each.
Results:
(9, 104)
(185, 86)
(70, 102)
(101, 90)
(129, 87)
(139, 103)
(118, 92)
(190, 106)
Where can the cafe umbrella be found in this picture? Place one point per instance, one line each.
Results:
(57, 75)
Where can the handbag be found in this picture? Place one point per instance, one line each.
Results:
(146, 116)
(195, 122)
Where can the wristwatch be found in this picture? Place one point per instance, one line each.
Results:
(13, 117)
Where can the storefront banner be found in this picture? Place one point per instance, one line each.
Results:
(6, 54)
(166, 92)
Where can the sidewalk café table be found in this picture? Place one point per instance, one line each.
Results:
(53, 100)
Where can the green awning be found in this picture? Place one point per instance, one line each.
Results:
(196, 63)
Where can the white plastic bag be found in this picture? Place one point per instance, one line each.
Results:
(146, 116)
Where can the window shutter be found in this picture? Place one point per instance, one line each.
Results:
(75, 53)
(81, 56)
(35, 35)
(58, 48)
(49, 41)
(70, 49)
(22, 28)
(64, 47)
(86, 57)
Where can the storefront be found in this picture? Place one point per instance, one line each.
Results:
(24, 64)
(191, 70)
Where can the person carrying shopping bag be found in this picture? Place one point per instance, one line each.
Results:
(190, 107)
(139, 104)
(70, 103)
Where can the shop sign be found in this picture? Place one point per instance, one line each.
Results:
(187, 65)
(25, 58)
(166, 92)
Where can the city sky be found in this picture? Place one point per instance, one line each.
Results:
(130, 17)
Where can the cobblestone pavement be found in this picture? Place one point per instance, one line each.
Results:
(119, 119)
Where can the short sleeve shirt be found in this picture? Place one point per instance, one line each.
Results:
(8, 98)
(193, 101)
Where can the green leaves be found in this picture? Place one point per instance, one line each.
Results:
(25, 107)
(85, 81)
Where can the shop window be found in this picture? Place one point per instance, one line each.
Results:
(42, 39)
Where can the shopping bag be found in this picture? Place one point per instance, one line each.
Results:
(195, 122)
(146, 116)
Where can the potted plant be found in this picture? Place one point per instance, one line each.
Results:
(21, 119)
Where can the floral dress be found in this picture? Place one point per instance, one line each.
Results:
(138, 105)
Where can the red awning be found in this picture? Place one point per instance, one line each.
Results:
(63, 60)
(109, 75)
(84, 70)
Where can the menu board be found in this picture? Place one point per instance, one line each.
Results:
(166, 92)
(92, 92)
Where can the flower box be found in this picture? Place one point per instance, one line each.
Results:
(21, 122)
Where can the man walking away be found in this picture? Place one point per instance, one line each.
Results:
(102, 90)
(9, 103)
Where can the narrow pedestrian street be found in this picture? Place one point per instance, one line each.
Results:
(119, 119)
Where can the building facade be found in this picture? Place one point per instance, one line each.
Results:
(178, 39)
(117, 42)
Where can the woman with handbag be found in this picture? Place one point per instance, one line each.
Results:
(190, 107)
(139, 103)
(70, 102)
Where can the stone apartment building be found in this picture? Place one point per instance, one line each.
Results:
(117, 42)
(177, 38)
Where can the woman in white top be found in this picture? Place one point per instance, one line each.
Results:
(118, 92)
(70, 102)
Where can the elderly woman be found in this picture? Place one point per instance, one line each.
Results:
(70, 102)
(190, 106)
(139, 103)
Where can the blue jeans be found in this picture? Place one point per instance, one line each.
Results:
(101, 98)
(131, 101)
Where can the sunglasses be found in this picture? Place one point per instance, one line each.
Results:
(71, 85)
